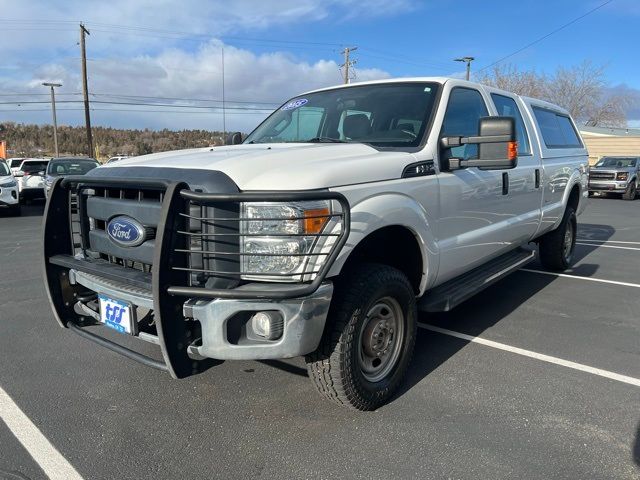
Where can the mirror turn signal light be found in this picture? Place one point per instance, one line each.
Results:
(512, 150)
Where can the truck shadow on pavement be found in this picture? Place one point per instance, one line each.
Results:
(486, 309)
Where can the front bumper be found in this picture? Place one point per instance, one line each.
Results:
(8, 196)
(221, 319)
(191, 324)
(32, 192)
(608, 186)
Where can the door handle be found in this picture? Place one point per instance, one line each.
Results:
(537, 178)
(505, 183)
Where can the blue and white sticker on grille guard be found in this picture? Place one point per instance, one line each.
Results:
(117, 314)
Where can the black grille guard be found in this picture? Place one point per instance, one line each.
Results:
(170, 273)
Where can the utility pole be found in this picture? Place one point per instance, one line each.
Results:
(53, 111)
(468, 61)
(224, 109)
(85, 89)
(347, 62)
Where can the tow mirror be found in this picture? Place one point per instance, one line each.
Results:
(234, 138)
(497, 146)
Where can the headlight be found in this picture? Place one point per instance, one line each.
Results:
(286, 242)
(622, 176)
(9, 184)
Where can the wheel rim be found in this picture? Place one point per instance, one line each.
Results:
(567, 244)
(380, 339)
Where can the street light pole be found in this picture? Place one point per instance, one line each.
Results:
(468, 61)
(53, 110)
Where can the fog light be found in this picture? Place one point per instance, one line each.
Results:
(268, 325)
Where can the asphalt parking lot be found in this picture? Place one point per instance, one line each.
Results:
(544, 383)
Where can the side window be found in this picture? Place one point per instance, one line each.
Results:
(304, 124)
(507, 107)
(571, 138)
(464, 110)
(557, 129)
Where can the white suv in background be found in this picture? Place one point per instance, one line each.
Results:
(14, 164)
(31, 178)
(9, 199)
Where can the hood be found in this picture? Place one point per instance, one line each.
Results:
(614, 169)
(284, 166)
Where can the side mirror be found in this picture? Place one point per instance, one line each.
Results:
(234, 138)
(19, 174)
(41, 173)
(497, 145)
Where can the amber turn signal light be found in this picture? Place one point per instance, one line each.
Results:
(315, 220)
(512, 150)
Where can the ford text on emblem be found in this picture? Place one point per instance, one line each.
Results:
(126, 231)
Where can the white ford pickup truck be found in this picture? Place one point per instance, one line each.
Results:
(322, 233)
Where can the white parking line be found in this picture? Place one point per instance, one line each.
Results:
(606, 241)
(578, 277)
(54, 465)
(599, 245)
(538, 356)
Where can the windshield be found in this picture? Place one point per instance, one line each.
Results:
(69, 166)
(34, 167)
(617, 162)
(383, 115)
(4, 169)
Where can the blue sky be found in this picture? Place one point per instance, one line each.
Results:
(168, 53)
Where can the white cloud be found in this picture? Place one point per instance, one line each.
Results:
(126, 25)
(181, 75)
(151, 59)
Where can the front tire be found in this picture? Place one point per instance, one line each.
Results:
(556, 247)
(631, 192)
(368, 343)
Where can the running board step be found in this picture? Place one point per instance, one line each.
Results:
(452, 293)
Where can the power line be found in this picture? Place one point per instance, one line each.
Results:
(406, 62)
(271, 105)
(139, 104)
(133, 111)
(547, 35)
(186, 99)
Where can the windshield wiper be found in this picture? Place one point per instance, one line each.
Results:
(325, 140)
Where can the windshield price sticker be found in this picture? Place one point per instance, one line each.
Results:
(295, 104)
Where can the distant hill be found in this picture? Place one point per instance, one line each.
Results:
(36, 140)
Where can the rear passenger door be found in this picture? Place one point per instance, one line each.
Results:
(562, 150)
(524, 181)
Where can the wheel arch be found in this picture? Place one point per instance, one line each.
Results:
(396, 234)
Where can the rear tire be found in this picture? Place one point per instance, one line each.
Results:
(556, 247)
(631, 192)
(369, 339)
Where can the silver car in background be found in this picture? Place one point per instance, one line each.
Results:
(61, 167)
(616, 175)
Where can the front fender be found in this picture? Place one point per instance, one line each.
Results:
(392, 209)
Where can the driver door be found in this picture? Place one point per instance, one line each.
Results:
(472, 202)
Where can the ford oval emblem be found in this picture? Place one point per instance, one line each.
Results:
(126, 232)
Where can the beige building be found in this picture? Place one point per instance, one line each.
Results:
(603, 142)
